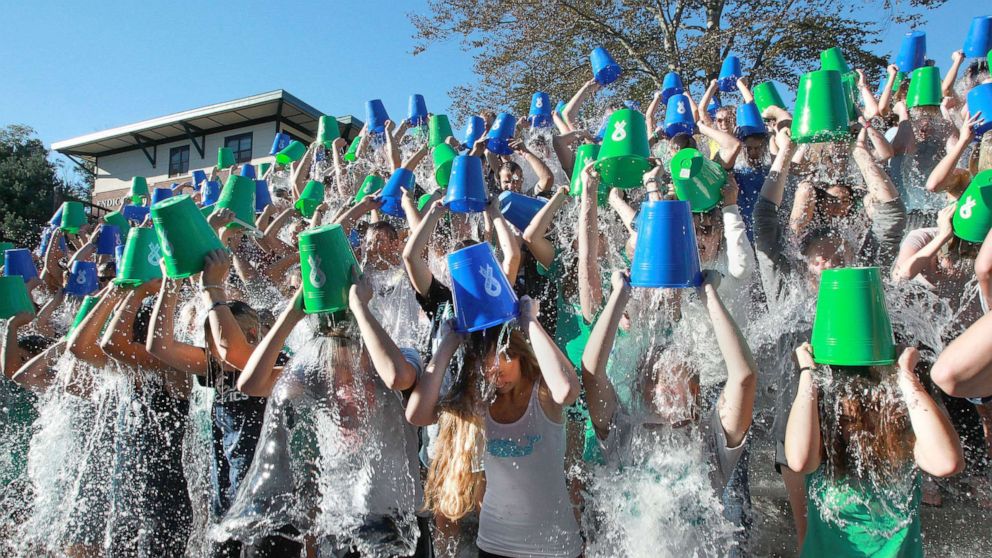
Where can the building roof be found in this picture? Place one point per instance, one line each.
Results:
(292, 114)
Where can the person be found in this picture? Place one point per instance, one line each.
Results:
(526, 509)
(860, 433)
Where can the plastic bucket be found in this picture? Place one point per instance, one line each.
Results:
(159, 194)
(604, 68)
(912, 51)
(540, 110)
(107, 240)
(978, 42)
(519, 209)
(19, 262)
(139, 189)
(14, 297)
(184, 235)
(483, 297)
(370, 186)
(438, 129)
(833, 59)
(585, 154)
(83, 279)
(238, 195)
(279, 142)
(416, 114)
(678, 116)
(327, 131)
(924, 88)
(852, 327)
(749, 121)
(666, 255)
(623, 157)
(247, 171)
(980, 100)
(698, 180)
(310, 198)
(730, 72)
(392, 193)
(501, 133)
(225, 158)
(767, 95)
(474, 130)
(263, 197)
(89, 302)
(466, 192)
(352, 154)
(375, 116)
(139, 261)
(444, 155)
(326, 261)
(292, 152)
(821, 113)
(973, 214)
(73, 216)
(672, 85)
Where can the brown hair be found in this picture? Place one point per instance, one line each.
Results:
(452, 488)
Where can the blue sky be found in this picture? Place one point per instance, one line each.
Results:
(71, 68)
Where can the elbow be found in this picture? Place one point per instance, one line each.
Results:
(419, 417)
(400, 379)
(251, 386)
(800, 461)
(948, 378)
(948, 466)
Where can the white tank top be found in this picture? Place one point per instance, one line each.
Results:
(526, 510)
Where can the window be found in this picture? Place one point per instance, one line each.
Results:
(241, 146)
(178, 160)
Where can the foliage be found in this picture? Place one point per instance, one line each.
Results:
(30, 188)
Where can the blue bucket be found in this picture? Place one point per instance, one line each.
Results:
(519, 209)
(980, 99)
(199, 177)
(749, 120)
(135, 213)
(466, 191)
(278, 144)
(159, 194)
(416, 114)
(108, 239)
(211, 192)
(392, 192)
(678, 116)
(476, 127)
(714, 106)
(501, 133)
(19, 262)
(483, 297)
(46, 237)
(118, 253)
(82, 279)
(604, 68)
(978, 43)
(672, 85)
(262, 195)
(540, 110)
(730, 72)
(248, 171)
(666, 255)
(560, 106)
(57, 218)
(375, 116)
(912, 52)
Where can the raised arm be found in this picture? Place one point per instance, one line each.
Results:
(947, 86)
(43, 321)
(802, 433)
(571, 111)
(421, 409)
(946, 174)
(83, 343)
(964, 367)
(392, 149)
(414, 252)
(13, 357)
(508, 243)
(729, 145)
(890, 78)
(983, 269)
(535, 234)
(37, 373)
(867, 97)
(556, 370)
(911, 261)
(261, 372)
(590, 285)
(162, 342)
(938, 448)
(600, 395)
(387, 359)
(545, 180)
(878, 182)
(232, 345)
(652, 110)
(740, 254)
(704, 101)
(118, 339)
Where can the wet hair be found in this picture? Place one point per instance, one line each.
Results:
(384, 226)
(975, 73)
(107, 271)
(814, 236)
(34, 345)
(512, 166)
(683, 140)
(242, 311)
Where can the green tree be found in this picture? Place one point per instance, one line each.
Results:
(30, 188)
(522, 46)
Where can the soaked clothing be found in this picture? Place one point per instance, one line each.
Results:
(526, 510)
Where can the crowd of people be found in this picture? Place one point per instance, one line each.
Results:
(224, 411)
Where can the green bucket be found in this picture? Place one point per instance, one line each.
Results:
(924, 88)
(262, 169)
(850, 84)
(140, 259)
(352, 154)
(852, 327)
(238, 195)
(438, 129)
(422, 202)
(73, 216)
(292, 152)
(444, 155)
(698, 179)
(767, 95)
(821, 113)
(310, 198)
(623, 157)
(833, 59)
(89, 302)
(225, 158)
(326, 261)
(4, 246)
(139, 189)
(585, 154)
(206, 211)
(973, 214)
(14, 297)
(184, 234)
(370, 185)
(327, 131)
(116, 219)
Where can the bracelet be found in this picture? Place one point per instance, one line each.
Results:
(216, 304)
(811, 369)
(208, 287)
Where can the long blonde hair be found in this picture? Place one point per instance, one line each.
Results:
(452, 488)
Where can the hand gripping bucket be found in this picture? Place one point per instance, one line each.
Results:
(310, 198)
(82, 279)
(833, 59)
(263, 196)
(238, 195)
(73, 216)
(225, 158)
(924, 88)
(198, 178)
(978, 42)
(604, 68)
(749, 121)
(672, 85)
(159, 194)
(292, 152)
(14, 297)
(980, 100)
(370, 186)
(247, 171)
(438, 128)
(540, 110)
(89, 303)
(107, 240)
(327, 130)
(678, 116)
(139, 189)
(326, 261)
(466, 192)
(444, 155)
(730, 72)
(483, 296)
(666, 255)
(912, 52)
(698, 179)
(519, 209)
(184, 235)
(474, 130)
(139, 262)
(852, 327)
(623, 157)
(973, 214)
(211, 193)
(585, 154)
(501, 133)
(714, 106)
(392, 193)
(19, 262)
(375, 116)
(767, 95)
(821, 113)
(46, 238)
(416, 114)
(279, 142)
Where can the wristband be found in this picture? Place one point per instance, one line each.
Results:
(216, 304)
(208, 287)
(811, 369)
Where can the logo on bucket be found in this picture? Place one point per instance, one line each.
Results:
(539, 102)
(965, 211)
(81, 278)
(166, 248)
(154, 257)
(619, 131)
(317, 277)
(492, 286)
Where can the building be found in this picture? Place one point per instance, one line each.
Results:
(168, 149)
